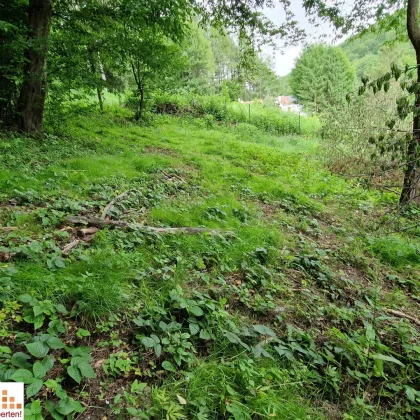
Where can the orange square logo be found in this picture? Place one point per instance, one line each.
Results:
(12, 399)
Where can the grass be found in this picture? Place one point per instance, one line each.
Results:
(285, 320)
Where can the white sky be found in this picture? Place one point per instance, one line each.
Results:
(284, 58)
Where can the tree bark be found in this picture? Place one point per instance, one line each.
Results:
(139, 113)
(411, 186)
(33, 90)
(98, 89)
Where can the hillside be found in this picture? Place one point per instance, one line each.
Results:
(294, 300)
(373, 53)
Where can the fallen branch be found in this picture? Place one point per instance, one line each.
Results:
(67, 249)
(403, 315)
(108, 207)
(7, 229)
(87, 231)
(100, 223)
(174, 176)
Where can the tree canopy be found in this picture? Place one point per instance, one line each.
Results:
(322, 77)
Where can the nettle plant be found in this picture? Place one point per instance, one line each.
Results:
(394, 139)
(43, 361)
(173, 330)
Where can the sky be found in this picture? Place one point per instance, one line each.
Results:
(284, 58)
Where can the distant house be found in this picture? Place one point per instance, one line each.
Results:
(288, 103)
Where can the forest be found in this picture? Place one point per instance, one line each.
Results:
(186, 234)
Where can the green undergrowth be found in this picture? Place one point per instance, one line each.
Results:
(283, 308)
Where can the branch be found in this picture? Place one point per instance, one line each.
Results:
(402, 315)
(67, 249)
(100, 223)
(112, 202)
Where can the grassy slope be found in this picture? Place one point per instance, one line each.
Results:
(309, 260)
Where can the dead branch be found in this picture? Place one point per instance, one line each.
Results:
(403, 315)
(112, 202)
(87, 231)
(7, 229)
(68, 248)
(174, 176)
(100, 223)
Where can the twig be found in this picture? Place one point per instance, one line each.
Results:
(175, 176)
(8, 229)
(118, 197)
(100, 223)
(87, 231)
(67, 249)
(402, 315)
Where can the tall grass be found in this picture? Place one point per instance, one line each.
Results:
(212, 107)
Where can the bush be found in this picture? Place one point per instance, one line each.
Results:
(346, 145)
(266, 117)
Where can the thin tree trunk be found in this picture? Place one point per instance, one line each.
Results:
(100, 99)
(141, 103)
(33, 90)
(98, 89)
(411, 186)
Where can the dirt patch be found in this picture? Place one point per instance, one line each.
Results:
(269, 210)
(161, 151)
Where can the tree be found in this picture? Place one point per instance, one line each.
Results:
(322, 77)
(172, 17)
(34, 87)
(153, 59)
(12, 47)
(199, 74)
(387, 13)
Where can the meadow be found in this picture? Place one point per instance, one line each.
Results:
(300, 300)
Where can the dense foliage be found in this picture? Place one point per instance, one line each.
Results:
(288, 317)
(168, 251)
(322, 77)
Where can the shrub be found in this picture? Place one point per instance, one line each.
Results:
(266, 117)
(346, 133)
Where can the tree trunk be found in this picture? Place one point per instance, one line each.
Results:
(33, 90)
(411, 186)
(139, 112)
(98, 89)
(100, 99)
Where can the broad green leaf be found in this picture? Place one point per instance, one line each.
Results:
(387, 359)
(64, 407)
(34, 388)
(86, 370)
(233, 338)
(37, 349)
(83, 333)
(263, 330)
(74, 372)
(39, 370)
(26, 298)
(196, 310)
(20, 360)
(411, 393)
(168, 366)
(148, 342)
(36, 407)
(39, 321)
(37, 310)
(61, 308)
(204, 335)
(48, 363)
(55, 343)
(194, 328)
(23, 375)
